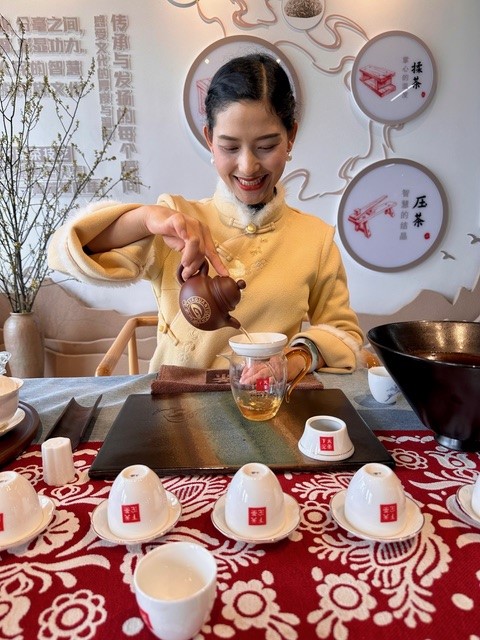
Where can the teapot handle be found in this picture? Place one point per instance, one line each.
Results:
(203, 270)
(297, 351)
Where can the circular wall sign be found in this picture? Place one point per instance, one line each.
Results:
(209, 61)
(394, 77)
(392, 215)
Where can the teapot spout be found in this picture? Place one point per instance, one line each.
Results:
(232, 322)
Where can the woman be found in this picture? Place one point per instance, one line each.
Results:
(287, 258)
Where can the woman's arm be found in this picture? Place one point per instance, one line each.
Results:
(179, 232)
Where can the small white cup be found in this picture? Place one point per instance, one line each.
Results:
(57, 461)
(476, 496)
(326, 438)
(375, 501)
(137, 504)
(382, 386)
(20, 509)
(175, 586)
(9, 391)
(255, 504)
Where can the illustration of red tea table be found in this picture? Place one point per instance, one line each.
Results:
(377, 79)
(362, 215)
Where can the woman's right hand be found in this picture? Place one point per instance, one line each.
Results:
(180, 232)
(187, 235)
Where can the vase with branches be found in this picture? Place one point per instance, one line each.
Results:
(42, 181)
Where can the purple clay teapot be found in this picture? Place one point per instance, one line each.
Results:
(205, 301)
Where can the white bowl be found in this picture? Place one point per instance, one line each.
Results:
(476, 496)
(20, 509)
(262, 345)
(137, 503)
(9, 391)
(255, 504)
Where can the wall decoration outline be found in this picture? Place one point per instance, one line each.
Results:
(393, 215)
(209, 60)
(394, 77)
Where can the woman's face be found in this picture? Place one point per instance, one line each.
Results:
(250, 145)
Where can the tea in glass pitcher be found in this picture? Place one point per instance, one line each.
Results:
(258, 373)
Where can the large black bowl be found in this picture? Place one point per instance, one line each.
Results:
(437, 367)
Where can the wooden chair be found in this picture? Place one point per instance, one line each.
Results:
(126, 338)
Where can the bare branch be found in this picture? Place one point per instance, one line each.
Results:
(41, 185)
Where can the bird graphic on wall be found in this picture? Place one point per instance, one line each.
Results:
(474, 238)
(447, 256)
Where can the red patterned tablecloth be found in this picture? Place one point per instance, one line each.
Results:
(321, 582)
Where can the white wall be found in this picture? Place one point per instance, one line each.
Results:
(166, 39)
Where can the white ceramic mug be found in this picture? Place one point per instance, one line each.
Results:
(375, 501)
(20, 509)
(326, 438)
(255, 504)
(137, 504)
(382, 386)
(175, 587)
(57, 461)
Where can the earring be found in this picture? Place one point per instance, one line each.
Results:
(289, 157)
(212, 160)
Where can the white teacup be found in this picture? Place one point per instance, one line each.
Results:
(9, 391)
(375, 501)
(137, 504)
(326, 438)
(20, 509)
(476, 496)
(382, 386)
(57, 461)
(175, 586)
(255, 504)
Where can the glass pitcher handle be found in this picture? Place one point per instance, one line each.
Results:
(297, 351)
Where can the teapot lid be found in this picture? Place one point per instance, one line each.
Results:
(262, 345)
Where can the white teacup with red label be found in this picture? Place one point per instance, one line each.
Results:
(326, 438)
(375, 501)
(137, 503)
(255, 504)
(20, 509)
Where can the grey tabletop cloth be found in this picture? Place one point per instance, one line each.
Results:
(49, 396)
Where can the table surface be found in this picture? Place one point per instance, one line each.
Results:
(319, 582)
(50, 395)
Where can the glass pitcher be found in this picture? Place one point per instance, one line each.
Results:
(258, 373)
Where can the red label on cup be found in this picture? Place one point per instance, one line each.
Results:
(2, 528)
(262, 384)
(388, 512)
(326, 443)
(131, 513)
(257, 515)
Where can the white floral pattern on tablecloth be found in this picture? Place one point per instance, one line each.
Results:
(320, 582)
